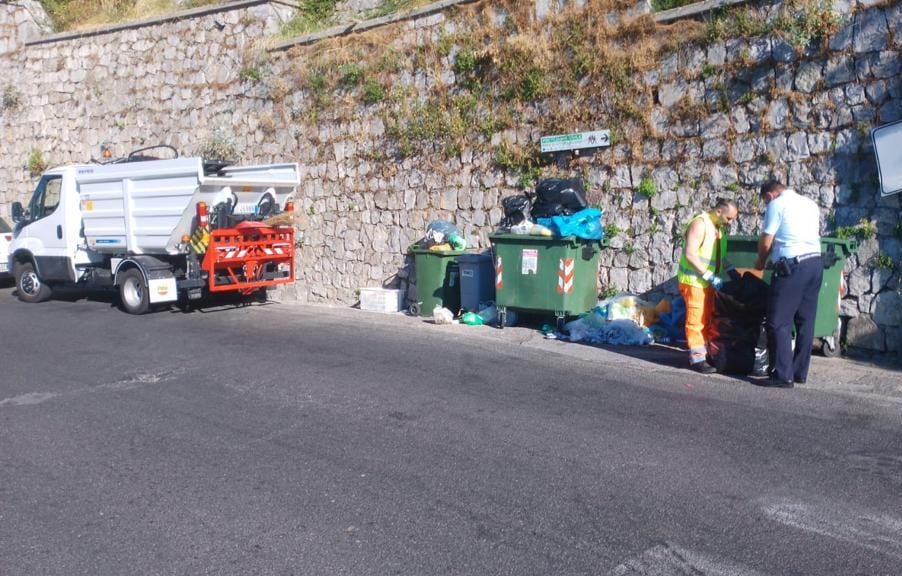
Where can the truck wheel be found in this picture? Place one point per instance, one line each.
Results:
(133, 292)
(29, 286)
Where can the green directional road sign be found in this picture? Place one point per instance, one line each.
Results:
(575, 141)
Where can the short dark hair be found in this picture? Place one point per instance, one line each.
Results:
(771, 186)
(724, 203)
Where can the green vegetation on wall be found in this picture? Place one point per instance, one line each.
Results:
(82, 14)
(574, 70)
(36, 163)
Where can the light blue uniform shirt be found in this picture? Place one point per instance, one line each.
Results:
(794, 222)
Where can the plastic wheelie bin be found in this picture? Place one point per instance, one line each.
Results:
(542, 274)
(477, 280)
(742, 251)
(438, 281)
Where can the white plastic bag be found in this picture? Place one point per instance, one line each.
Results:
(442, 315)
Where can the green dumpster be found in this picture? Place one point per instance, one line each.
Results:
(438, 281)
(742, 251)
(544, 274)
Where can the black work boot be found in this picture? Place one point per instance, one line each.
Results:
(702, 367)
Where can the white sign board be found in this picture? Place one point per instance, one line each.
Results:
(530, 262)
(888, 149)
(575, 141)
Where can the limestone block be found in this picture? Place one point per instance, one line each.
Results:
(784, 77)
(449, 199)
(775, 146)
(820, 142)
(885, 64)
(744, 149)
(877, 91)
(848, 308)
(808, 76)
(671, 93)
(823, 172)
(618, 277)
(777, 113)
(797, 146)
(862, 332)
(714, 149)
(722, 176)
(783, 51)
(839, 70)
(871, 31)
(894, 18)
(863, 115)
(717, 54)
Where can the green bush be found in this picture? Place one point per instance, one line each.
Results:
(884, 261)
(864, 230)
(351, 74)
(647, 188)
(373, 92)
(36, 163)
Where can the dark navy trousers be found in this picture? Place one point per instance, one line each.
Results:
(792, 301)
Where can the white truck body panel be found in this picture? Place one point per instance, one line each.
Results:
(146, 207)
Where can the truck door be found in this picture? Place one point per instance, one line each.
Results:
(46, 229)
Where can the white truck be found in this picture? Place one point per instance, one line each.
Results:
(160, 231)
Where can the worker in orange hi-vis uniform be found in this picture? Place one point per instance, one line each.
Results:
(701, 265)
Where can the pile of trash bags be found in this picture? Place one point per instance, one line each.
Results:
(624, 320)
(442, 236)
(558, 209)
(487, 315)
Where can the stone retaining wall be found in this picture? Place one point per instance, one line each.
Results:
(204, 81)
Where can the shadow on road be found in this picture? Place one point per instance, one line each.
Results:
(210, 303)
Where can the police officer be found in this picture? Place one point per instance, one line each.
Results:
(791, 241)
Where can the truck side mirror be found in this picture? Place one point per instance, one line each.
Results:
(16, 211)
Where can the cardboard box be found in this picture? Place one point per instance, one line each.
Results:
(381, 300)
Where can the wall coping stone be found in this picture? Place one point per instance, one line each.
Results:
(181, 15)
(694, 9)
(356, 27)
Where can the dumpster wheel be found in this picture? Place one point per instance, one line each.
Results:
(831, 347)
(414, 309)
(502, 317)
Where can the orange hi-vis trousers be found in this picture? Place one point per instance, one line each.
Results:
(699, 312)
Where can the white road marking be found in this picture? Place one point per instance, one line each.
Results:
(29, 399)
(127, 383)
(878, 532)
(669, 560)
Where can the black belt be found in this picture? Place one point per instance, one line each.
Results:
(804, 257)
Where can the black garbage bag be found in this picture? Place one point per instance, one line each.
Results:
(516, 210)
(739, 345)
(736, 349)
(559, 197)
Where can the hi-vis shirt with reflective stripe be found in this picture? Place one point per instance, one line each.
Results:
(715, 240)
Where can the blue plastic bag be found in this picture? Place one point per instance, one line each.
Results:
(673, 323)
(584, 224)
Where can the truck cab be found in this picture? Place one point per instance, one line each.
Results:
(47, 233)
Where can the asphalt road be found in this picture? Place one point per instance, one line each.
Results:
(275, 439)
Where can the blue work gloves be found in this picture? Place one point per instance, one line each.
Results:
(716, 282)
